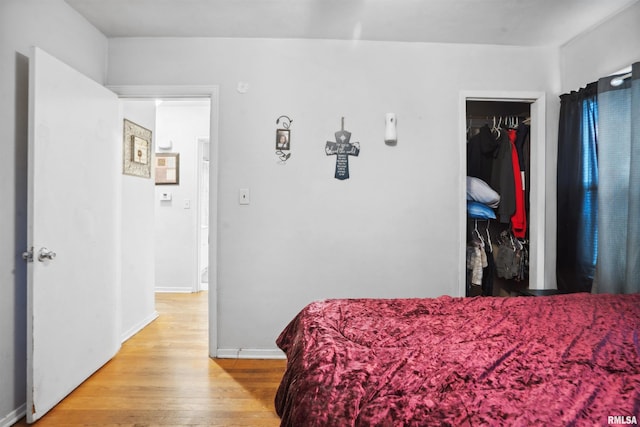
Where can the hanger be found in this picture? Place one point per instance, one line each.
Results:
(489, 244)
(475, 228)
(497, 128)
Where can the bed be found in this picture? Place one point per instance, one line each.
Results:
(518, 361)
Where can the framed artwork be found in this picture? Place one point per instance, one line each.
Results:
(167, 166)
(136, 150)
(283, 140)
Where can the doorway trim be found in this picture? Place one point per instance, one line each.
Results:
(189, 91)
(202, 143)
(537, 213)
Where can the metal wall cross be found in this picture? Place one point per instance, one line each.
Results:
(342, 148)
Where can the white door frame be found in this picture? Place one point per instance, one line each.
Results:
(211, 92)
(201, 141)
(537, 218)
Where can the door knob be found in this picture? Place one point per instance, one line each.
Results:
(45, 253)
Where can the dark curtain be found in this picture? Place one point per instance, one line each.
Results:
(577, 185)
(618, 269)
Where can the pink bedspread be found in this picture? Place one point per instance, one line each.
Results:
(522, 361)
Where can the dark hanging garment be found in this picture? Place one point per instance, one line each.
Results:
(526, 149)
(481, 151)
(502, 180)
(521, 136)
(487, 274)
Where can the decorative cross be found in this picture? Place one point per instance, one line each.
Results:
(342, 148)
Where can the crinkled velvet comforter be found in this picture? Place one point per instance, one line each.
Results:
(522, 361)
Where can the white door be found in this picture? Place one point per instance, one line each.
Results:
(73, 202)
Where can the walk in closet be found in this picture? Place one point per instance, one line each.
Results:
(498, 165)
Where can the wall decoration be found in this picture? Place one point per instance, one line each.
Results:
(167, 168)
(283, 139)
(136, 150)
(342, 149)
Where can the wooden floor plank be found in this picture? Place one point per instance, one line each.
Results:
(163, 377)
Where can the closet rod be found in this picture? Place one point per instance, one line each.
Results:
(617, 81)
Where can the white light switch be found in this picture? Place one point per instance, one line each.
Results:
(187, 204)
(243, 196)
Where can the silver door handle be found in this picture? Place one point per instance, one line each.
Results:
(45, 253)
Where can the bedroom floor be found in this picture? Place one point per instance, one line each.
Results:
(163, 376)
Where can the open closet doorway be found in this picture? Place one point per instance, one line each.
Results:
(478, 109)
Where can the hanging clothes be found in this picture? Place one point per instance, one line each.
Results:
(475, 262)
(502, 179)
(498, 159)
(489, 271)
(481, 152)
(522, 133)
(523, 145)
(512, 258)
(519, 217)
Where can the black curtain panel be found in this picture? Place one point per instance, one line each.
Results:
(577, 190)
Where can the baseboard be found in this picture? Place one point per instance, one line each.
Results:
(249, 353)
(14, 416)
(174, 289)
(140, 326)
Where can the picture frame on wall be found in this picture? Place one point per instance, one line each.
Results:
(137, 150)
(283, 139)
(167, 167)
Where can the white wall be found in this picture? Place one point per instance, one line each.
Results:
(55, 27)
(138, 249)
(176, 227)
(603, 50)
(389, 231)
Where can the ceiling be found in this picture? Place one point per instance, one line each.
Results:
(502, 22)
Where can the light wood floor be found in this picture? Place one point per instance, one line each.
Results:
(163, 376)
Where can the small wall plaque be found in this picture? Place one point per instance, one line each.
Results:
(167, 168)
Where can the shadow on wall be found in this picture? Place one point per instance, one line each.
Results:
(20, 225)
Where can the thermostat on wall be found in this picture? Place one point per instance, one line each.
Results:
(165, 196)
(165, 144)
